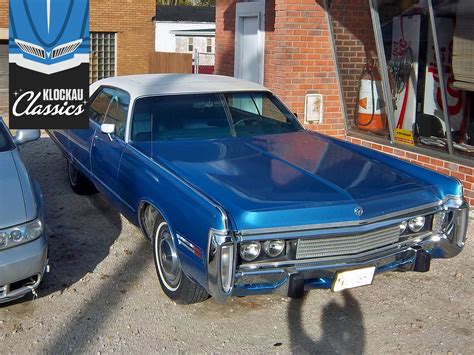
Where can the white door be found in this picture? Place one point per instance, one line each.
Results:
(4, 80)
(249, 49)
(249, 41)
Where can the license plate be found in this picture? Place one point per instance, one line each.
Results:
(353, 278)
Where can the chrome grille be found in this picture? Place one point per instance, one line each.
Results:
(328, 246)
(31, 48)
(66, 48)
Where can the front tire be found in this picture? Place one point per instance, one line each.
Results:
(79, 183)
(175, 284)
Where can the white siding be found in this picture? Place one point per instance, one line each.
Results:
(165, 41)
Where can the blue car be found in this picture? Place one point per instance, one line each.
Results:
(239, 199)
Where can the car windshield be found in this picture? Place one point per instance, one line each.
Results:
(5, 141)
(208, 116)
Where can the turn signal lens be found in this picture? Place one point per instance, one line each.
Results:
(416, 224)
(273, 248)
(439, 221)
(227, 267)
(403, 226)
(250, 251)
(34, 230)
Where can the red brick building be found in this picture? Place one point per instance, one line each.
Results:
(374, 63)
(122, 35)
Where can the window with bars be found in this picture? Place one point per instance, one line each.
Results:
(102, 61)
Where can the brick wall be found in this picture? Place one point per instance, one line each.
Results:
(132, 21)
(225, 28)
(355, 46)
(3, 13)
(462, 172)
(298, 56)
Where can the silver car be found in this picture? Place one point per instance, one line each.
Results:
(23, 244)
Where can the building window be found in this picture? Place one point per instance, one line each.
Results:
(102, 61)
(190, 44)
(209, 45)
(392, 84)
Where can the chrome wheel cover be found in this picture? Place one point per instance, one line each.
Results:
(166, 257)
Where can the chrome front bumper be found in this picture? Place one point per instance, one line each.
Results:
(22, 269)
(291, 278)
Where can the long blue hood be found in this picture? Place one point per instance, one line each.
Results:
(300, 178)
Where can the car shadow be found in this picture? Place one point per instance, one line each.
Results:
(342, 328)
(80, 229)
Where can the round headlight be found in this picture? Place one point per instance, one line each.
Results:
(250, 251)
(3, 239)
(416, 224)
(273, 248)
(403, 226)
(16, 235)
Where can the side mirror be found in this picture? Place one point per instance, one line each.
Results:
(23, 136)
(107, 128)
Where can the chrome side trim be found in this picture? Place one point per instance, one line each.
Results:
(189, 246)
(225, 220)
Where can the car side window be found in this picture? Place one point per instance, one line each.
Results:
(117, 111)
(99, 106)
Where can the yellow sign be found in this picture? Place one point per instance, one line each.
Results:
(404, 136)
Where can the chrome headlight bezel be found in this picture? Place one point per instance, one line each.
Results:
(21, 234)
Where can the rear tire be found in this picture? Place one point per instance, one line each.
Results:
(79, 183)
(175, 284)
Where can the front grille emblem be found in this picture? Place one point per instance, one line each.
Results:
(358, 211)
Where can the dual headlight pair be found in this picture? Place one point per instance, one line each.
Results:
(250, 251)
(415, 224)
(21, 234)
(440, 221)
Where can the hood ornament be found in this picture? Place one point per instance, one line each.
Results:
(358, 211)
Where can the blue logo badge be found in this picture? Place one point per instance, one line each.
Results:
(49, 36)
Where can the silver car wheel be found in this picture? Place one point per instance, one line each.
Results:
(166, 256)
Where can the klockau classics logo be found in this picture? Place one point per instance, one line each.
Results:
(49, 63)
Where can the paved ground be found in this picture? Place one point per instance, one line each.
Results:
(103, 296)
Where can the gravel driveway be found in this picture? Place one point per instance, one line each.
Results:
(103, 296)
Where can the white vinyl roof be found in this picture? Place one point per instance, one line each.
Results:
(171, 84)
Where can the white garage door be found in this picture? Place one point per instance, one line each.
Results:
(3, 79)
